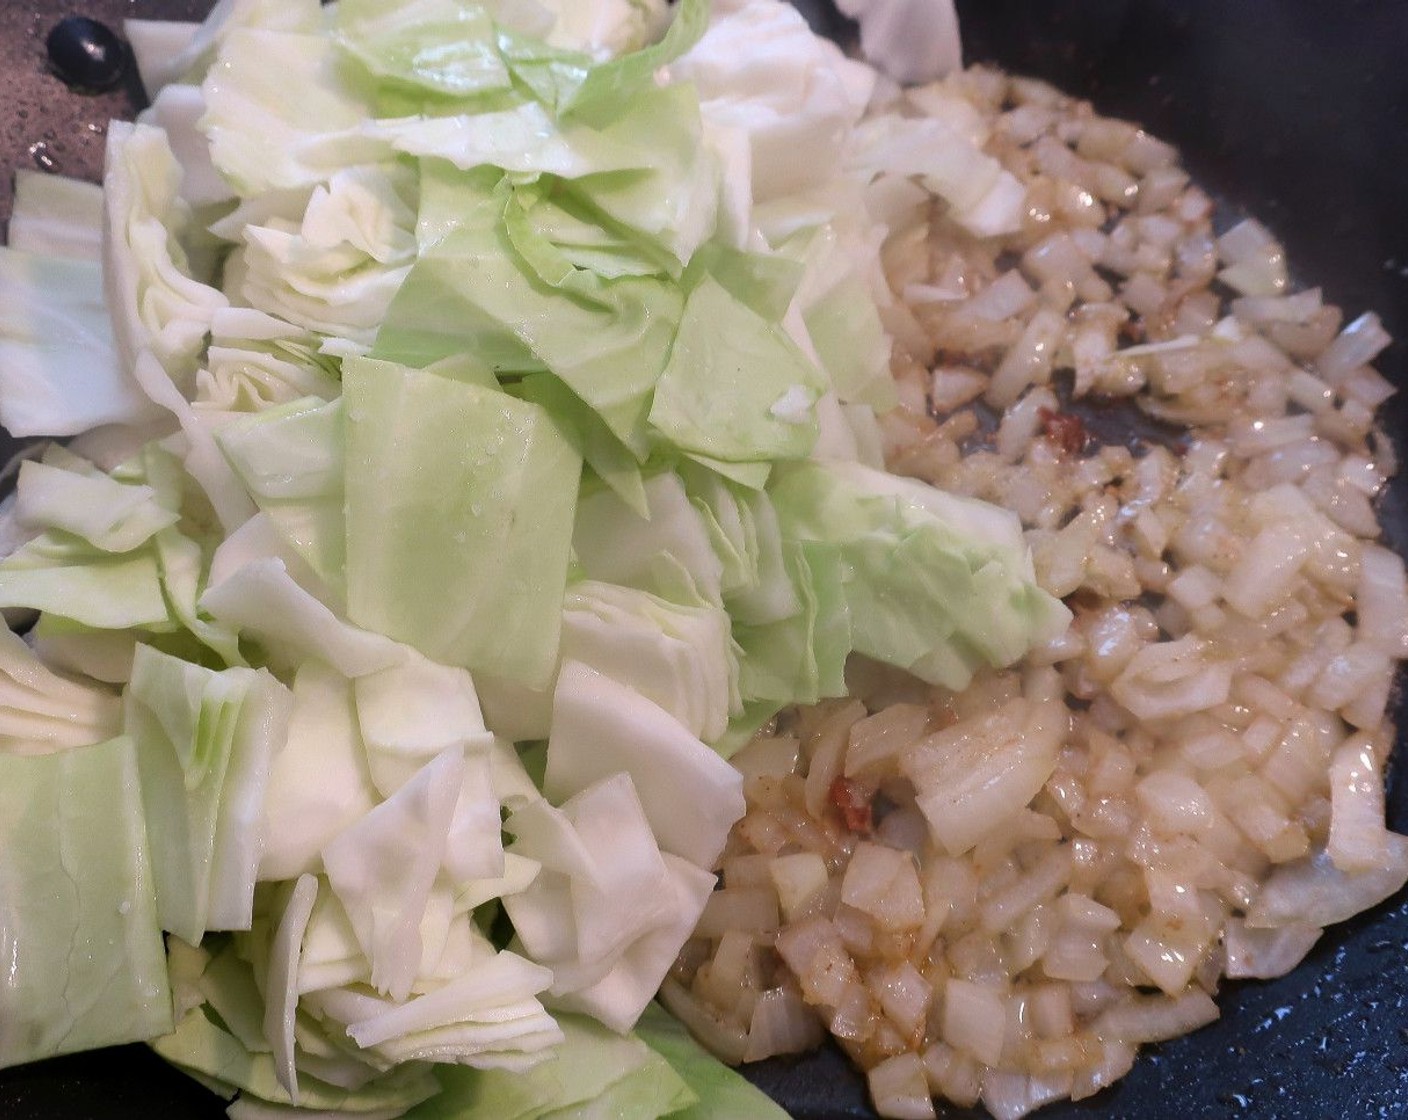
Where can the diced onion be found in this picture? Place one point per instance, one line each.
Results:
(1264, 954)
(899, 1088)
(883, 883)
(974, 1019)
(1155, 1018)
(727, 1041)
(781, 1024)
(1313, 891)
(1010, 1096)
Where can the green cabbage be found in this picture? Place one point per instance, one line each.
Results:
(60, 371)
(445, 47)
(291, 461)
(593, 1066)
(320, 781)
(724, 1094)
(205, 744)
(439, 554)
(55, 216)
(84, 963)
(468, 372)
(936, 584)
(735, 387)
(42, 712)
(201, 1047)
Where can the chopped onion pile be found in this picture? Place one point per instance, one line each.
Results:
(1028, 879)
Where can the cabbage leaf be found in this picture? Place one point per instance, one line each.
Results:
(290, 459)
(42, 712)
(158, 304)
(735, 387)
(935, 584)
(675, 655)
(217, 1058)
(445, 47)
(382, 868)
(205, 743)
(60, 371)
(85, 965)
(608, 342)
(582, 1072)
(283, 112)
(320, 782)
(439, 554)
(723, 1093)
(600, 727)
(56, 216)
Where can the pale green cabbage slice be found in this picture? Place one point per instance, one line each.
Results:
(56, 216)
(84, 960)
(584, 1071)
(320, 782)
(60, 370)
(42, 712)
(936, 584)
(439, 553)
(601, 727)
(205, 743)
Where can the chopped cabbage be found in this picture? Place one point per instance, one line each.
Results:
(201, 1047)
(281, 986)
(205, 742)
(439, 554)
(382, 868)
(442, 46)
(42, 712)
(290, 459)
(60, 372)
(282, 113)
(723, 1093)
(936, 584)
(911, 40)
(593, 1067)
(453, 375)
(601, 727)
(158, 304)
(677, 656)
(734, 388)
(110, 516)
(55, 216)
(320, 782)
(85, 969)
(607, 905)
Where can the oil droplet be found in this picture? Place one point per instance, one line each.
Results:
(39, 152)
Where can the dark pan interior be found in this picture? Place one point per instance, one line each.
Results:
(1294, 111)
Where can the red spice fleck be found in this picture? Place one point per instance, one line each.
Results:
(853, 802)
(1065, 430)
